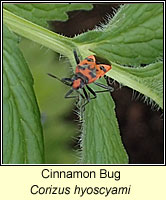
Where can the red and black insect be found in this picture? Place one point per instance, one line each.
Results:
(87, 71)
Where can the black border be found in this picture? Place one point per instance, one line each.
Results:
(122, 2)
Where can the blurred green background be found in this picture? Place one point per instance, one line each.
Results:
(60, 130)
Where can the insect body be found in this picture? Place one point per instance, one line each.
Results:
(87, 71)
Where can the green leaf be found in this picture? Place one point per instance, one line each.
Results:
(42, 13)
(27, 29)
(101, 141)
(147, 80)
(22, 132)
(134, 36)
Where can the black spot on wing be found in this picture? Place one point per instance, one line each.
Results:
(92, 74)
(89, 59)
(102, 68)
(83, 67)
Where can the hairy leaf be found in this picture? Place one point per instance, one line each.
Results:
(42, 13)
(101, 141)
(134, 36)
(147, 80)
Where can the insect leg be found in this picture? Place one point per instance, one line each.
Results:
(108, 79)
(67, 79)
(108, 88)
(86, 95)
(80, 94)
(68, 93)
(76, 57)
(87, 98)
(75, 96)
(92, 92)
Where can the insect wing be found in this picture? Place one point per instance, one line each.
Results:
(102, 69)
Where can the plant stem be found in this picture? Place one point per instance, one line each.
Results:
(141, 79)
(36, 33)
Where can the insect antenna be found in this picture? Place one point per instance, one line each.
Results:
(54, 76)
(63, 80)
(76, 57)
